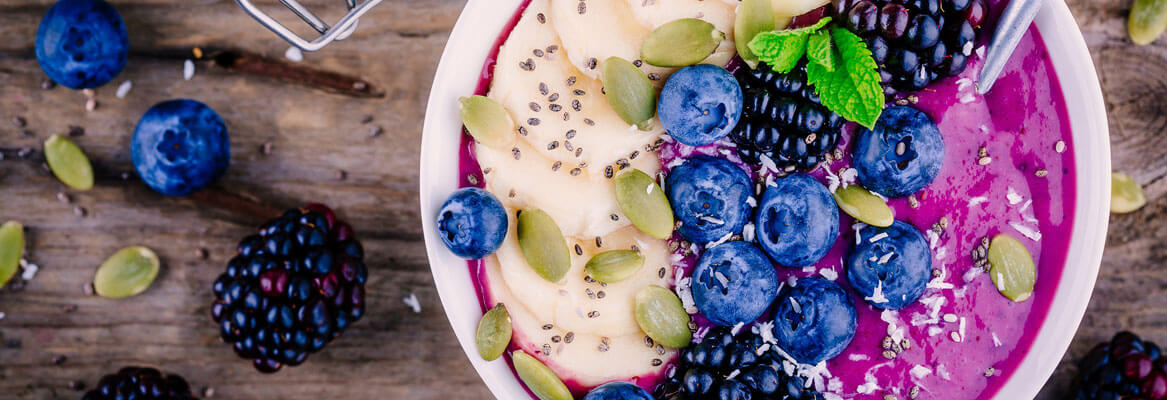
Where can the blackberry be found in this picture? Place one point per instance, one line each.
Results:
(915, 42)
(140, 383)
(784, 120)
(725, 367)
(291, 289)
(1126, 367)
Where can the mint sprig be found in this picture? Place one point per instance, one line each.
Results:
(841, 68)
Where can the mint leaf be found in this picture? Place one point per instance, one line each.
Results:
(783, 49)
(818, 50)
(852, 89)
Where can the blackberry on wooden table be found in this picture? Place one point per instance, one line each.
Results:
(1126, 367)
(141, 383)
(784, 120)
(291, 289)
(915, 42)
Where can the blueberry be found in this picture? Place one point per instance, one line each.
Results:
(895, 260)
(472, 223)
(618, 391)
(902, 155)
(797, 221)
(708, 196)
(734, 282)
(82, 44)
(180, 147)
(700, 104)
(814, 320)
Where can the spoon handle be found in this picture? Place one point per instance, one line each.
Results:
(1014, 22)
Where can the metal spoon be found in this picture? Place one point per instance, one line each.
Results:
(1014, 22)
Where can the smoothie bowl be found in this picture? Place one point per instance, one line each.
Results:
(786, 199)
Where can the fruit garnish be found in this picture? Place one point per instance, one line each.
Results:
(541, 380)
(486, 120)
(661, 316)
(543, 245)
(82, 44)
(1126, 195)
(680, 43)
(614, 265)
(845, 76)
(11, 249)
(1147, 21)
(140, 383)
(864, 206)
(1125, 367)
(126, 273)
(784, 121)
(68, 163)
(644, 203)
(180, 147)
(629, 92)
(494, 333)
(1011, 268)
(753, 17)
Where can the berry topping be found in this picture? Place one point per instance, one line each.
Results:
(783, 121)
(797, 221)
(709, 197)
(140, 383)
(472, 223)
(82, 44)
(890, 267)
(734, 283)
(902, 155)
(291, 289)
(180, 147)
(814, 320)
(618, 391)
(700, 104)
(1126, 367)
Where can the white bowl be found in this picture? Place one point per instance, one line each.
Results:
(481, 23)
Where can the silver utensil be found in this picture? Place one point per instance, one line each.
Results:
(328, 34)
(1014, 22)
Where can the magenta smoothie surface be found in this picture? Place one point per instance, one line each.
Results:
(1008, 169)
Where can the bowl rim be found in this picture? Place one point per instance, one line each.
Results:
(474, 36)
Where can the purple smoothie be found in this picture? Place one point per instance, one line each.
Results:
(1020, 125)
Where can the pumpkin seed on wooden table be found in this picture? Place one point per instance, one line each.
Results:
(644, 203)
(680, 43)
(1011, 268)
(494, 333)
(486, 120)
(128, 272)
(614, 265)
(11, 249)
(864, 206)
(68, 163)
(629, 92)
(1126, 196)
(543, 244)
(661, 316)
(541, 380)
(1148, 20)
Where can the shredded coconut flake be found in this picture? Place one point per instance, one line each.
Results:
(975, 201)
(878, 237)
(996, 340)
(1027, 231)
(829, 274)
(30, 270)
(877, 295)
(294, 54)
(967, 98)
(738, 328)
(920, 371)
(124, 89)
(413, 303)
(188, 69)
(1013, 197)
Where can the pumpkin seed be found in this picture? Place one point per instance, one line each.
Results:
(11, 249)
(859, 203)
(68, 163)
(1126, 195)
(753, 17)
(629, 92)
(541, 380)
(680, 43)
(644, 203)
(614, 265)
(486, 120)
(543, 245)
(1147, 21)
(126, 273)
(494, 333)
(660, 315)
(1011, 268)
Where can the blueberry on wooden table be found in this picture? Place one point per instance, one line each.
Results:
(82, 44)
(180, 147)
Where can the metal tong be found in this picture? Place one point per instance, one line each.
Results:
(340, 31)
(1014, 22)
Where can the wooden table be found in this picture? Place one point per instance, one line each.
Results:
(358, 151)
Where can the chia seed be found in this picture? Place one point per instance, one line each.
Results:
(582, 8)
(543, 88)
(590, 293)
(515, 152)
(638, 63)
(599, 242)
(648, 342)
(578, 151)
(578, 250)
(19, 121)
(569, 337)
(653, 76)
(579, 92)
(533, 121)
(600, 294)
(553, 145)
(548, 327)
(635, 153)
(591, 61)
(523, 130)
(575, 171)
(542, 18)
(589, 122)
(602, 347)
(914, 392)
(615, 217)
(656, 362)
(661, 272)
(567, 145)
(537, 52)
(593, 314)
(660, 349)
(1041, 173)
(576, 105)
(546, 349)
(552, 48)
(570, 134)
(528, 65)
(553, 97)
(535, 107)
(570, 81)
(888, 354)
(555, 167)
(555, 107)
(556, 339)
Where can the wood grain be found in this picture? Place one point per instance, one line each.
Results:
(314, 134)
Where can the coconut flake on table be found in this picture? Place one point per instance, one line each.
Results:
(188, 69)
(124, 89)
(412, 302)
(294, 54)
(29, 270)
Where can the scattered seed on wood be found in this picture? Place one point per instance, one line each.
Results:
(90, 104)
(76, 385)
(76, 131)
(202, 253)
(59, 359)
(208, 392)
(68, 308)
(64, 198)
(375, 131)
(19, 121)
(342, 175)
(265, 148)
(367, 119)
(80, 211)
(48, 84)
(88, 289)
